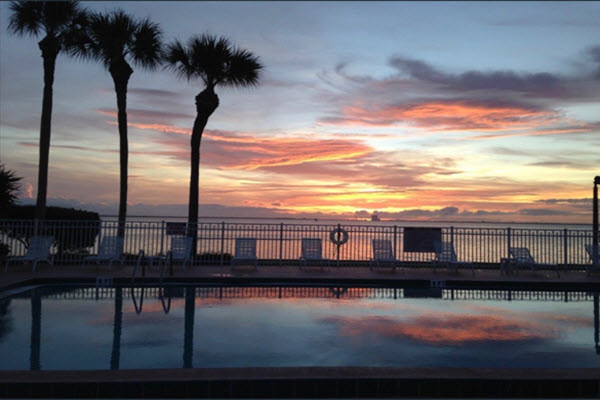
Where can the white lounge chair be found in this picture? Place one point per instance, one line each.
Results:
(383, 255)
(594, 258)
(312, 254)
(245, 252)
(110, 250)
(521, 257)
(181, 251)
(38, 251)
(446, 256)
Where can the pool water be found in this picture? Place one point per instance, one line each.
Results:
(77, 328)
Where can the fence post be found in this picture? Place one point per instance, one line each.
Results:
(452, 235)
(508, 242)
(338, 246)
(395, 242)
(102, 227)
(281, 244)
(222, 242)
(162, 237)
(565, 244)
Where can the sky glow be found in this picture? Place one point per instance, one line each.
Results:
(416, 110)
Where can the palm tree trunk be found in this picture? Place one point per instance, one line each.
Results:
(121, 71)
(49, 53)
(206, 103)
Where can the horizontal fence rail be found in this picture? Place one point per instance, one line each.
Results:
(280, 243)
(285, 292)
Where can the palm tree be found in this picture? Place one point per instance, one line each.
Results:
(216, 63)
(59, 21)
(115, 39)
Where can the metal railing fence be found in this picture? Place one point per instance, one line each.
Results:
(280, 243)
(285, 292)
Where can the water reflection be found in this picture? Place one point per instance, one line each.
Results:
(115, 355)
(333, 317)
(188, 340)
(596, 323)
(5, 318)
(36, 329)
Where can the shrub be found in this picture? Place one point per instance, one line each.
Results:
(4, 250)
(73, 230)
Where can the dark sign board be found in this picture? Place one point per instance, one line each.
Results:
(176, 228)
(420, 240)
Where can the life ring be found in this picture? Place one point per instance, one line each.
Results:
(335, 238)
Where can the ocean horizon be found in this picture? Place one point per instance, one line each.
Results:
(361, 222)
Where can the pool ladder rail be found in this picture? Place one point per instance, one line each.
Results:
(163, 262)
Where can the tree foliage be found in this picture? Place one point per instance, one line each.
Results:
(72, 229)
(9, 188)
(214, 60)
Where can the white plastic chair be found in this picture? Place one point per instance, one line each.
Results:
(445, 255)
(312, 253)
(38, 251)
(594, 258)
(245, 252)
(521, 257)
(110, 250)
(383, 254)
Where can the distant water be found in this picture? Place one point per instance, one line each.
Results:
(349, 222)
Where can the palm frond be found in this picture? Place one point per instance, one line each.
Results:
(58, 15)
(116, 35)
(26, 18)
(176, 58)
(146, 48)
(244, 69)
(213, 60)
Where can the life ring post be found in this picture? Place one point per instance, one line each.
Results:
(338, 236)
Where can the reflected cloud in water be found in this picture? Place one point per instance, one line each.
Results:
(446, 329)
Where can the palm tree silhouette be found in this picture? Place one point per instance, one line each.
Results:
(113, 39)
(217, 63)
(59, 21)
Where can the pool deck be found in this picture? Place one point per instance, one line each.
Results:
(308, 382)
(540, 279)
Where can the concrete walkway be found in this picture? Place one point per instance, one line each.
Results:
(18, 275)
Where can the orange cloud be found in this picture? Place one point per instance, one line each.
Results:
(157, 127)
(249, 151)
(450, 116)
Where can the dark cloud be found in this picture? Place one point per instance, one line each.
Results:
(148, 116)
(541, 84)
(166, 94)
(419, 94)
(442, 213)
(543, 212)
(594, 54)
(586, 201)
(507, 151)
(566, 164)
(418, 69)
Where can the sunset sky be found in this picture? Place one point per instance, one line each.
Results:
(416, 110)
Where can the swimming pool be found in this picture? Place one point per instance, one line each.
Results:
(78, 328)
